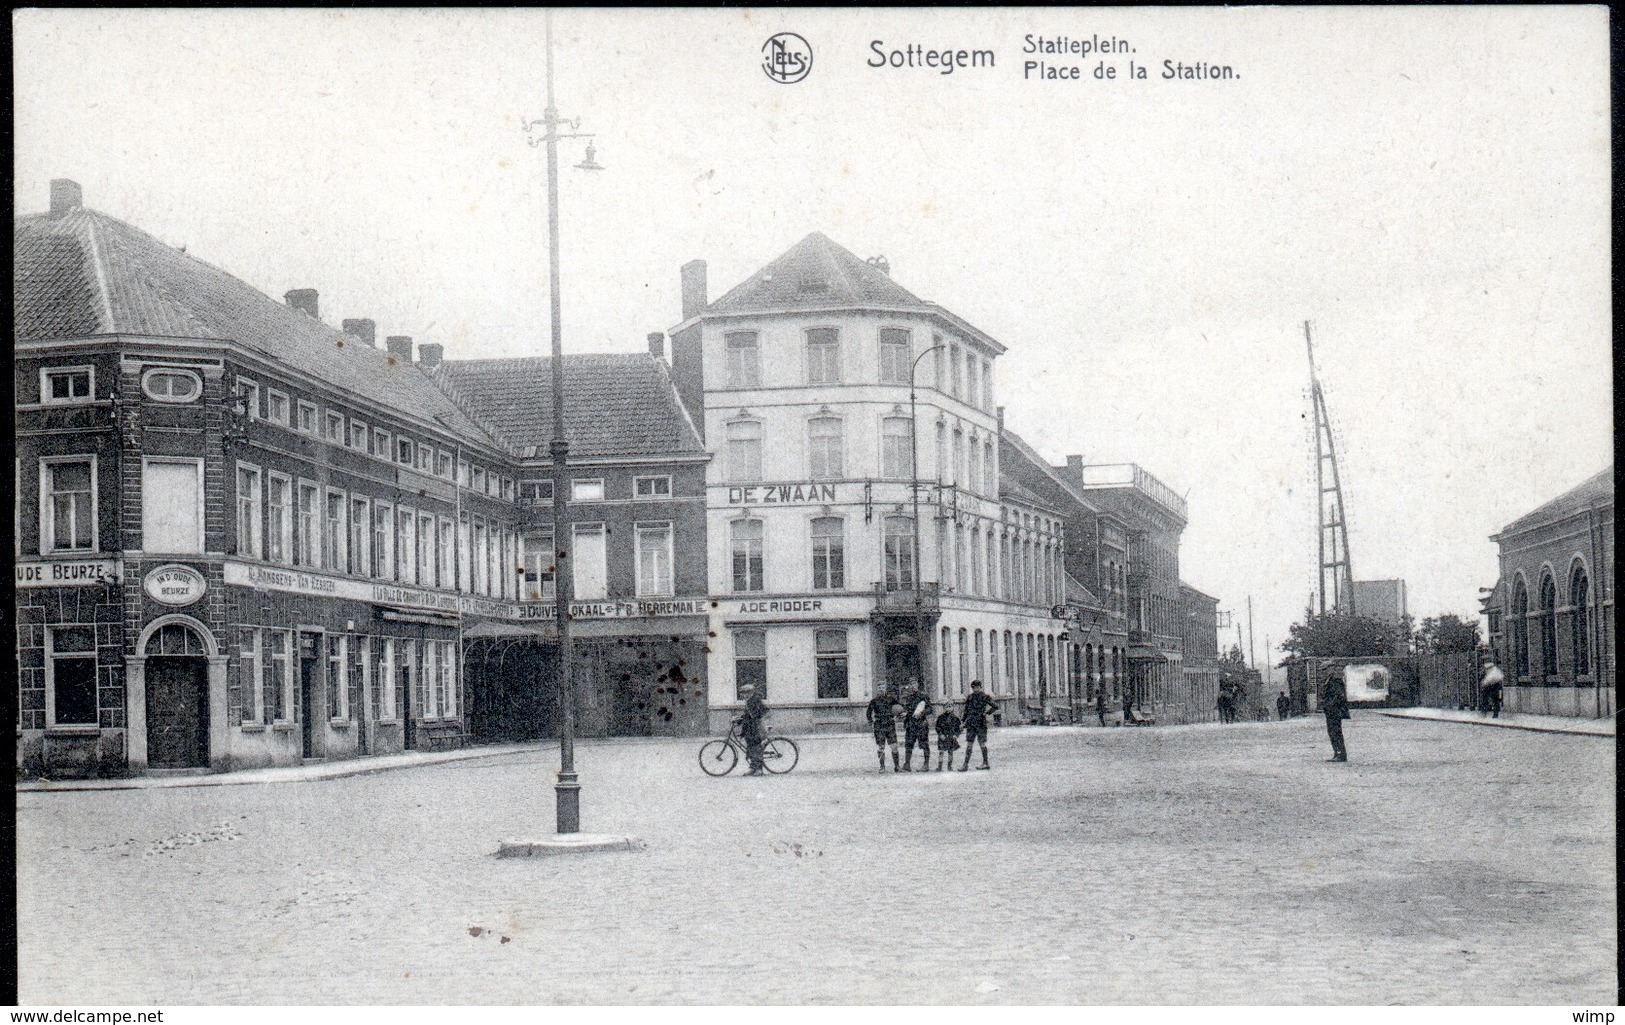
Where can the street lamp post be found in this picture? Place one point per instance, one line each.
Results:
(914, 492)
(567, 791)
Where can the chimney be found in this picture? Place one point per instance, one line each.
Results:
(1074, 466)
(694, 296)
(303, 299)
(430, 354)
(363, 329)
(66, 197)
(399, 346)
(657, 345)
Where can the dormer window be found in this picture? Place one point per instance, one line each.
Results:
(812, 281)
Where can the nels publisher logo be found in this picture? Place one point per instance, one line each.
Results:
(787, 58)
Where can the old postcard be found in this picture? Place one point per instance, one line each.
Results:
(802, 507)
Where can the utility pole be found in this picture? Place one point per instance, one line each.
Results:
(1252, 659)
(914, 492)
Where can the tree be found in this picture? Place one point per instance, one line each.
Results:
(1449, 632)
(1335, 635)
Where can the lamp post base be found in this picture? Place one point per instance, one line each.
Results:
(567, 794)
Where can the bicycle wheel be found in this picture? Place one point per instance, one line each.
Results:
(718, 758)
(779, 754)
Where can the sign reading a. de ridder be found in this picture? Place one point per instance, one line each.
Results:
(175, 585)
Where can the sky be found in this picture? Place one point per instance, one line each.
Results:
(1429, 187)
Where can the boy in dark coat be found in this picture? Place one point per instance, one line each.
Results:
(948, 726)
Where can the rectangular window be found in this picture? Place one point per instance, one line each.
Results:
(830, 648)
(479, 480)
(407, 674)
(957, 470)
(746, 540)
(172, 506)
(896, 448)
(895, 356)
(406, 546)
(427, 563)
(360, 537)
(279, 510)
(359, 434)
(535, 492)
(369, 677)
(465, 567)
(989, 474)
(334, 531)
(750, 662)
(589, 554)
(281, 675)
(987, 384)
(491, 482)
(338, 677)
(828, 553)
(651, 487)
(464, 473)
(68, 491)
(825, 445)
(276, 407)
(249, 511)
(507, 489)
(249, 395)
(477, 559)
(66, 385)
(335, 428)
(383, 538)
(431, 679)
(425, 461)
(972, 393)
(973, 477)
(249, 661)
(654, 554)
(745, 451)
(898, 553)
(823, 355)
(953, 370)
(448, 672)
(442, 464)
(71, 676)
(538, 583)
(307, 417)
(587, 490)
(381, 444)
(446, 553)
(744, 362)
(404, 451)
(384, 711)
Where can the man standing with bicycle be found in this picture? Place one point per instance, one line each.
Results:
(750, 727)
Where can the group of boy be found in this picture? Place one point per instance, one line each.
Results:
(915, 708)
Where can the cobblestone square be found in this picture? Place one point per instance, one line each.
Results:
(1207, 864)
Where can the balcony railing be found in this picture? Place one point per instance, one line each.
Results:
(897, 602)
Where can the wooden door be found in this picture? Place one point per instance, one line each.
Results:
(177, 712)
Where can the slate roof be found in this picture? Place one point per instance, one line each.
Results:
(1597, 489)
(616, 404)
(84, 274)
(818, 274)
(1078, 594)
(1012, 444)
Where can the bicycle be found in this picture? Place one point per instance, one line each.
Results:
(718, 757)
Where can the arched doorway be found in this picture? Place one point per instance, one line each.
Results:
(177, 686)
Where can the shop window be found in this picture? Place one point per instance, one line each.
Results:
(338, 677)
(750, 662)
(71, 676)
(250, 660)
(830, 648)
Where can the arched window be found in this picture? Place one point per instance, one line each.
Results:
(1548, 625)
(175, 639)
(1520, 628)
(1580, 619)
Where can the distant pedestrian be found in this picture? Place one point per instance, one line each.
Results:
(1100, 703)
(1223, 705)
(1334, 702)
(948, 726)
(916, 729)
(977, 707)
(1282, 705)
(1491, 686)
(750, 727)
(883, 722)
(1128, 708)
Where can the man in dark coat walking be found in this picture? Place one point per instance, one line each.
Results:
(1334, 702)
(1282, 705)
(750, 727)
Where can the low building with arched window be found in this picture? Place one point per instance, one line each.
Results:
(1551, 614)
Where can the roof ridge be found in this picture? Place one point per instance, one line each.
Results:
(106, 305)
